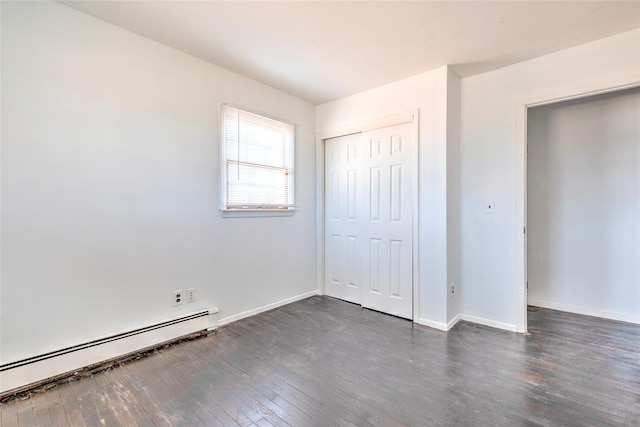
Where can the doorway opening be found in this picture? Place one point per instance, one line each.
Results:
(581, 203)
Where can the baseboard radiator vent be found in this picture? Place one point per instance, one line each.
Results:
(25, 374)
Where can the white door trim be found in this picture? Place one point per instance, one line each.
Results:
(521, 172)
(412, 117)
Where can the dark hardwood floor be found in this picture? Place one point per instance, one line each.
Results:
(324, 362)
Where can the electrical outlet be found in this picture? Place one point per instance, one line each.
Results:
(453, 289)
(177, 297)
(190, 295)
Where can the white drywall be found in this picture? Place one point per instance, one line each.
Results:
(490, 169)
(428, 93)
(110, 185)
(583, 205)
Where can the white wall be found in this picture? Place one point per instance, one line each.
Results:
(428, 93)
(583, 205)
(110, 185)
(490, 167)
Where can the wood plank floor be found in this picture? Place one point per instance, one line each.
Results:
(324, 362)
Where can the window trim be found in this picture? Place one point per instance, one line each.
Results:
(252, 211)
(256, 213)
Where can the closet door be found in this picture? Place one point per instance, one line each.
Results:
(368, 219)
(387, 228)
(343, 218)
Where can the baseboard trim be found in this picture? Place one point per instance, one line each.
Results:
(438, 325)
(587, 311)
(432, 324)
(454, 321)
(262, 309)
(488, 322)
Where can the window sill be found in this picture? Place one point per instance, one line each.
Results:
(255, 213)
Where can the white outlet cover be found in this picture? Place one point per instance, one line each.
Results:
(190, 295)
(177, 297)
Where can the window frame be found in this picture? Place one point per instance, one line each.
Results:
(236, 211)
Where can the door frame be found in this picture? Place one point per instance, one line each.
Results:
(523, 106)
(411, 116)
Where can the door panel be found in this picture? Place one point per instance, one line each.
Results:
(368, 219)
(390, 221)
(342, 210)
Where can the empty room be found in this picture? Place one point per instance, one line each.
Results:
(320, 213)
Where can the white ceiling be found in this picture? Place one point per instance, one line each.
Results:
(324, 50)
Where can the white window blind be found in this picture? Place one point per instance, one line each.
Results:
(258, 161)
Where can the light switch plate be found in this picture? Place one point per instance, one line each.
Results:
(489, 206)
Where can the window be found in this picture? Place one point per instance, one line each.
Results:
(258, 163)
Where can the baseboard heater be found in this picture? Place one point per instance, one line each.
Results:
(26, 373)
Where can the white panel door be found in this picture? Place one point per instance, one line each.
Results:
(387, 228)
(342, 217)
(368, 219)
